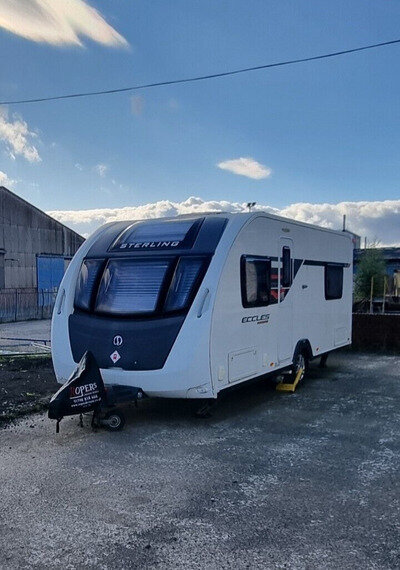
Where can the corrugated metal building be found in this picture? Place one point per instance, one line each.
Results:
(34, 252)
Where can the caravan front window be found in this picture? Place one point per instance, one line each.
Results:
(185, 277)
(88, 275)
(159, 231)
(131, 286)
(139, 286)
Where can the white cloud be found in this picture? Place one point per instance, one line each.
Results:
(15, 132)
(57, 22)
(378, 219)
(5, 181)
(101, 169)
(78, 166)
(137, 105)
(371, 219)
(246, 167)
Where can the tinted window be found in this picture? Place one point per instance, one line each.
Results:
(286, 274)
(333, 282)
(131, 286)
(159, 231)
(84, 287)
(182, 286)
(255, 281)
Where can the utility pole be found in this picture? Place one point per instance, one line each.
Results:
(371, 304)
(384, 293)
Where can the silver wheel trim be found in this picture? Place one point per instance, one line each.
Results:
(114, 421)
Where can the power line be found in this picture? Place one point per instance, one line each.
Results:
(199, 78)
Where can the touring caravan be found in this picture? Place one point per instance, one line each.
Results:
(185, 307)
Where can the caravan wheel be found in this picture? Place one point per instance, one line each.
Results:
(113, 421)
(300, 360)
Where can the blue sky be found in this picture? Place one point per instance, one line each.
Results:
(323, 132)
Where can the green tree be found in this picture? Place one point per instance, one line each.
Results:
(371, 264)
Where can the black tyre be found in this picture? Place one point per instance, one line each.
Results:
(300, 360)
(113, 421)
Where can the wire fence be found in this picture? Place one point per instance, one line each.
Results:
(26, 304)
(384, 295)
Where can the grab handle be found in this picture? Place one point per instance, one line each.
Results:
(203, 306)
(61, 302)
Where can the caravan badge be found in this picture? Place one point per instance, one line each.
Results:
(259, 319)
(118, 340)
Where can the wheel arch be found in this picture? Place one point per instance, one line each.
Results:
(303, 346)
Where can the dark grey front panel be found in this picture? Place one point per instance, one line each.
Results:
(208, 236)
(145, 343)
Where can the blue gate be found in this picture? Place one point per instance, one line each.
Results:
(50, 271)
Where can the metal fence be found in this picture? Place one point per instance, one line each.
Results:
(26, 304)
(376, 332)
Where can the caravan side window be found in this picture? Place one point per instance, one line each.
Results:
(286, 274)
(333, 282)
(255, 280)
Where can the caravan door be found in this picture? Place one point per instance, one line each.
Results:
(285, 304)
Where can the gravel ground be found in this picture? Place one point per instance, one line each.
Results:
(272, 480)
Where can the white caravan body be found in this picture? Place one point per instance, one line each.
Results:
(186, 307)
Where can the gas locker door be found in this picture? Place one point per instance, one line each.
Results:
(285, 305)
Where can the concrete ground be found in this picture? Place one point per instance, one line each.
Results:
(24, 336)
(272, 480)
